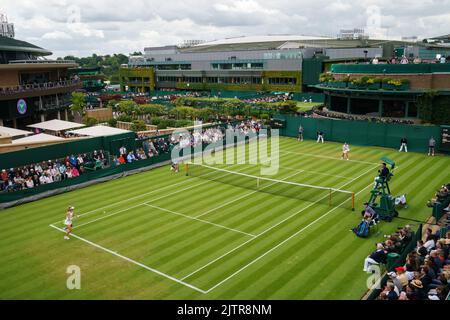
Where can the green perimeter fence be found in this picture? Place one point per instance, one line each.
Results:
(111, 144)
(363, 133)
(353, 132)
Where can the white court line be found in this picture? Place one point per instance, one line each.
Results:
(272, 227)
(132, 198)
(327, 157)
(279, 245)
(141, 204)
(200, 220)
(138, 196)
(244, 196)
(133, 261)
(316, 172)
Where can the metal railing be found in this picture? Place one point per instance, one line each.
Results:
(42, 62)
(38, 87)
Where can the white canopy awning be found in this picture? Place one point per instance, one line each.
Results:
(42, 137)
(98, 131)
(14, 132)
(56, 125)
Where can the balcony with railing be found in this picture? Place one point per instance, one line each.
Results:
(42, 62)
(31, 90)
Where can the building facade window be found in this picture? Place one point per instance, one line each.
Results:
(282, 81)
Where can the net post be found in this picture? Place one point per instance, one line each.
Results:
(186, 167)
(353, 201)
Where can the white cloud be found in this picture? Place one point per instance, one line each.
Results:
(56, 35)
(104, 27)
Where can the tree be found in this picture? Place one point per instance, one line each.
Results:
(90, 122)
(288, 107)
(138, 125)
(78, 100)
(183, 113)
(128, 107)
(153, 109)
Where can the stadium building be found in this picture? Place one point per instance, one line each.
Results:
(265, 63)
(385, 90)
(32, 89)
(93, 79)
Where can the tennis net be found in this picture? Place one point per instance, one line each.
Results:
(315, 194)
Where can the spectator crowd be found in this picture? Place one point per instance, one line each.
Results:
(344, 116)
(426, 273)
(269, 99)
(72, 166)
(46, 172)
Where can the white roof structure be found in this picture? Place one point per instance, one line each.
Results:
(42, 137)
(56, 125)
(14, 132)
(268, 38)
(98, 131)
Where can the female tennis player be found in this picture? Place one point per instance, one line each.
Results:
(68, 222)
(345, 151)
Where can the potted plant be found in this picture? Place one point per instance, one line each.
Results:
(355, 83)
(326, 78)
(363, 82)
(373, 83)
(387, 84)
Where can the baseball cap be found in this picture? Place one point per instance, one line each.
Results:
(400, 269)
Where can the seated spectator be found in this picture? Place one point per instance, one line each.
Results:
(131, 157)
(377, 257)
(416, 291)
(430, 243)
(75, 172)
(392, 291)
(29, 183)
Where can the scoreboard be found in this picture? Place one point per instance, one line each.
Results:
(445, 138)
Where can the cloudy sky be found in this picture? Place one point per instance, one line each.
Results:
(83, 27)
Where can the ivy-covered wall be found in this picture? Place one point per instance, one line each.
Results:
(434, 108)
(141, 73)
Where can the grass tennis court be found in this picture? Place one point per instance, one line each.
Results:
(160, 235)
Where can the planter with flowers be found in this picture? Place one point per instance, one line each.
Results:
(394, 84)
(374, 84)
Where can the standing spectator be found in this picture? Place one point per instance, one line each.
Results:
(300, 133)
(4, 179)
(403, 145)
(320, 136)
(431, 146)
(73, 161)
(123, 151)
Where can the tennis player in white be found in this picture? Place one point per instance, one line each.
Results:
(345, 151)
(68, 222)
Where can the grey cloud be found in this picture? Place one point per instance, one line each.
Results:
(134, 24)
